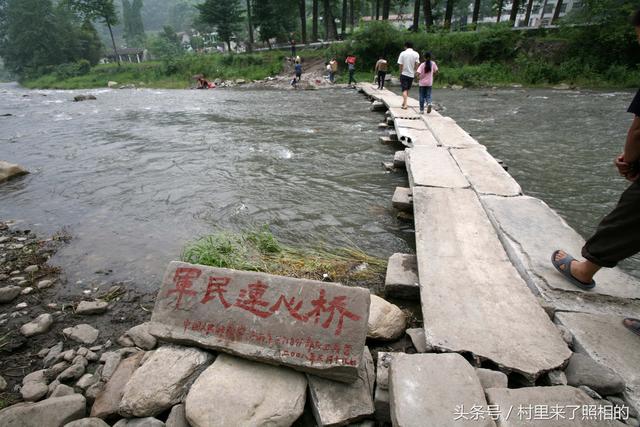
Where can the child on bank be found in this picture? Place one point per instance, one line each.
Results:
(426, 72)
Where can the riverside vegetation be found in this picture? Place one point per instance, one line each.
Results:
(491, 56)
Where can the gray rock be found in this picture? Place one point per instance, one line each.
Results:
(413, 381)
(72, 372)
(254, 394)
(33, 391)
(492, 379)
(39, 325)
(141, 337)
(83, 333)
(93, 391)
(82, 351)
(31, 269)
(68, 355)
(382, 371)
(108, 401)
(288, 307)
(558, 396)
(36, 376)
(633, 422)
(53, 356)
(92, 307)
(86, 381)
(53, 412)
(386, 320)
(401, 280)
(111, 361)
(10, 170)
(3, 384)
(567, 336)
(62, 390)
(418, 339)
(79, 360)
(334, 403)
(177, 417)
(382, 405)
(583, 370)
(153, 388)
(87, 422)
(44, 284)
(91, 356)
(557, 377)
(590, 392)
(9, 293)
(616, 401)
(139, 422)
(53, 372)
(52, 387)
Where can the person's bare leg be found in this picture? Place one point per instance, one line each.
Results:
(405, 95)
(581, 270)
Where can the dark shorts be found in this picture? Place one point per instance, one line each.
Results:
(405, 82)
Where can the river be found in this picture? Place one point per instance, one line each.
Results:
(136, 174)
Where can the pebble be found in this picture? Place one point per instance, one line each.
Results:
(39, 325)
(9, 293)
(3, 384)
(72, 373)
(68, 355)
(31, 269)
(15, 272)
(34, 391)
(22, 305)
(43, 284)
(26, 291)
(83, 333)
(18, 278)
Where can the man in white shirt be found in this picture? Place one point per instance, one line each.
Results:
(409, 60)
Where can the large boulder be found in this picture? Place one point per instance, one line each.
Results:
(10, 170)
(140, 422)
(163, 380)
(87, 422)
(177, 417)
(238, 392)
(53, 412)
(386, 320)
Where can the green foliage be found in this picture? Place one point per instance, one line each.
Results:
(224, 15)
(166, 45)
(274, 18)
(132, 20)
(260, 251)
(74, 69)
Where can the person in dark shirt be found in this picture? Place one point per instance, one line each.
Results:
(618, 235)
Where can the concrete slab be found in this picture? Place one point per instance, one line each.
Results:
(335, 404)
(609, 343)
(402, 277)
(311, 326)
(484, 173)
(414, 137)
(473, 299)
(531, 231)
(426, 390)
(448, 133)
(433, 167)
(397, 113)
(410, 124)
(558, 406)
(385, 140)
(402, 199)
(399, 159)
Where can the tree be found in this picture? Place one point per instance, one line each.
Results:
(428, 14)
(352, 18)
(314, 21)
(500, 6)
(166, 45)
(386, 7)
(544, 8)
(556, 12)
(416, 15)
(377, 10)
(274, 19)
(224, 15)
(343, 20)
(250, 25)
(132, 20)
(448, 14)
(302, 5)
(330, 30)
(103, 10)
(476, 11)
(527, 15)
(514, 11)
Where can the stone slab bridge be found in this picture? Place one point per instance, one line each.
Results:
(487, 287)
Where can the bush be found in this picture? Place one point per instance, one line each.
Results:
(73, 69)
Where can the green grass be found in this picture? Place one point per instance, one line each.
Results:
(259, 250)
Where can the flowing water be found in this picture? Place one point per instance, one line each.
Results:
(559, 145)
(137, 174)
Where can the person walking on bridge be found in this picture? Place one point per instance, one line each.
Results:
(408, 62)
(351, 65)
(618, 235)
(426, 72)
(381, 71)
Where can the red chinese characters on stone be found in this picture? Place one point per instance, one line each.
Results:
(217, 287)
(336, 304)
(294, 310)
(250, 299)
(183, 280)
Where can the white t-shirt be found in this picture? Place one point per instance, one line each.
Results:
(409, 58)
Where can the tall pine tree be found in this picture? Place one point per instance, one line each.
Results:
(224, 15)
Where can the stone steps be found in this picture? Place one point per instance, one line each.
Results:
(401, 280)
(402, 199)
(448, 133)
(399, 159)
(433, 167)
(484, 173)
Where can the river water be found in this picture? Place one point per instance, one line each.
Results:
(137, 174)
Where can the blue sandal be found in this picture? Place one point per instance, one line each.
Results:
(566, 271)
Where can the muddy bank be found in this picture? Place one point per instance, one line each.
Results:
(24, 256)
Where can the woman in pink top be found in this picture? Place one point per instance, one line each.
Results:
(427, 71)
